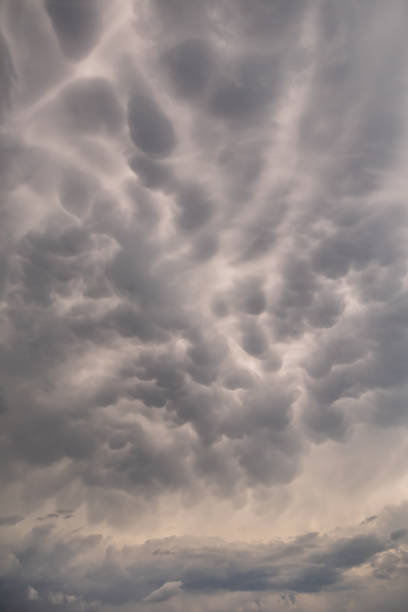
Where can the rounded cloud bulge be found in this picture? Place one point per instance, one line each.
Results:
(203, 305)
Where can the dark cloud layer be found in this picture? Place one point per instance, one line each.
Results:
(46, 569)
(203, 311)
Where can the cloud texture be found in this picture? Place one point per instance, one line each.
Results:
(204, 305)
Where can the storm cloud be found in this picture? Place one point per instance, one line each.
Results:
(204, 306)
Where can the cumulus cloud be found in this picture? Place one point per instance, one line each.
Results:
(203, 305)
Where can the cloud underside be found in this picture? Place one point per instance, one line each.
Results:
(203, 300)
(337, 570)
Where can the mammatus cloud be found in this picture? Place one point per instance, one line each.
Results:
(203, 305)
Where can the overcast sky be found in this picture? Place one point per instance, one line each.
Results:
(204, 305)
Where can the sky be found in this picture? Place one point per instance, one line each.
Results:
(203, 305)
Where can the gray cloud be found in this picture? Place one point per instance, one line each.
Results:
(254, 339)
(152, 174)
(253, 82)
(90, 105)
(76, 25)
(195, 207)
(159, 570)
(250, 297)
(150, 129)
(7, 74)
(203, 305)
(10, 520)
(165, 592)
(189, 66)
